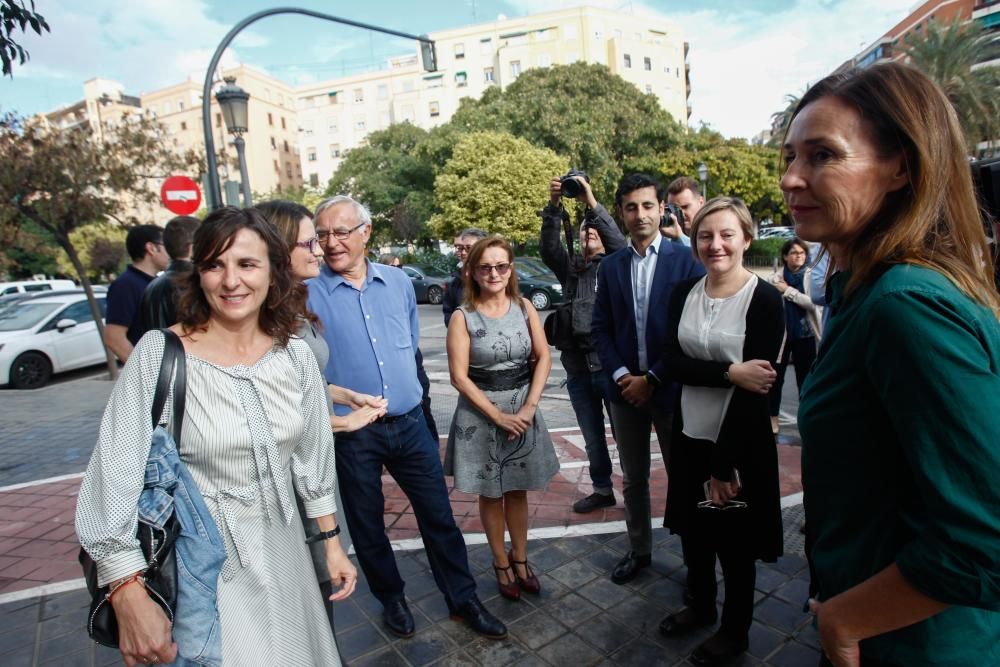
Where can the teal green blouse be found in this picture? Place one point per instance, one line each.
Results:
(900, 423)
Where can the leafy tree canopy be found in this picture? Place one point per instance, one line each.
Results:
(496, 182)
(391, 178)
(583, 111)
(101, 248)
(16, 15)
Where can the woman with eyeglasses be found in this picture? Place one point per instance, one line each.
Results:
(802, 317)
(498, 445)
(724, 335)
(295, 225)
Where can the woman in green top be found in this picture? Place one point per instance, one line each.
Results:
(900, 417)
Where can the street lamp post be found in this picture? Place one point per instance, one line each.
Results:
(233, 102)
(213, 191)
(703, 177)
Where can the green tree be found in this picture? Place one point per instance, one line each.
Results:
(64, 180)
(595, 118)
(25, 251)
(946, 53)
(735, 168)
(306, 195)
(102, 237)
(14, 14)
(496, 182)
(781, 119)
(392, 178)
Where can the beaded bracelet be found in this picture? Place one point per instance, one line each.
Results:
(137, 577)
(319, 537)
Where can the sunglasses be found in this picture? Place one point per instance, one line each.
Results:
(484, 270)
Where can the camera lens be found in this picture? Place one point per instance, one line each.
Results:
(570, 187)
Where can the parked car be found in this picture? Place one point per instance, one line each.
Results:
(48, 333)
(776, 232)
(429, 283)
(543, 290)
(20, 286)
(532, 265)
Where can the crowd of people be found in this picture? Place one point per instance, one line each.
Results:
(304, 382)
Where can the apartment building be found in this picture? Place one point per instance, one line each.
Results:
(104, 103)
(336, 115)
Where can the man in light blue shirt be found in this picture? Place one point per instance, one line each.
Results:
(369, 317)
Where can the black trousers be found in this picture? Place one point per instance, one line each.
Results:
(801, 353)
(721, 534)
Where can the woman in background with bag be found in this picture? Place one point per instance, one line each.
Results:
(724, 334)
(256, 425)
(498, 446)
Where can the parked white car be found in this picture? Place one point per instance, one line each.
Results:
(48, 333)
(35, 286)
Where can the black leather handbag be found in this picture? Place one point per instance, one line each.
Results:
(157, 544)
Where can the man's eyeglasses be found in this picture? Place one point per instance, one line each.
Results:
(340, 234)
(796, 253)
(486, 269)
(309, 244)
(462, 248)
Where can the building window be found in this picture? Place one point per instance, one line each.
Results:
(666, 70)
(628, 61)
(334, 150)
(331, 125)
(486, 46)
(276, 167)
(359, 95)
(307, 128)
(283, 126)
(180, 105)
(359, 125)
(270, 120)
(461, 79)
(383, 91)
(314, 180)
(598, 35)
(435, 109)
(488, 74)
(285, 146)
(274, 144)
(647, 64)
(311, 154)
(515, 68)
(649, 89)
(288, 169)
(218, 119)
(184, 126)
(459, 51)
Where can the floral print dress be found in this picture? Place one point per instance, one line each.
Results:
(480, 455)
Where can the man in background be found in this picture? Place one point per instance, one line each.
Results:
(123, 322)
(158, 301)
(453, 297)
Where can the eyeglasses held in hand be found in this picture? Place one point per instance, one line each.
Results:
(486, 269)
(340, 234)
(730, 505)
(310, 244)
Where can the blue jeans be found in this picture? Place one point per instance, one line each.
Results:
(404, 445)
(588, 394)
(199, 551)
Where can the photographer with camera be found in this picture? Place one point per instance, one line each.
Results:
(672, 225)
(568, 328)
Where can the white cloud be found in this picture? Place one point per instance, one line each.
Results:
(745, 59)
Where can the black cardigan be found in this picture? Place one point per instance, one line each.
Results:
(745, 440)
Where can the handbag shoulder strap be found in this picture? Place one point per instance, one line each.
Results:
(173, 363)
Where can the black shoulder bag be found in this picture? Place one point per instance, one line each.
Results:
(157, 544)
(558, 326)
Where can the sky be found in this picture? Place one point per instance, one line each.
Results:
(746, 55)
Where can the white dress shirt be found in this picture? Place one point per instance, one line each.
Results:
(643, 270)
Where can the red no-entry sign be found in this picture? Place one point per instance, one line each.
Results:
(180, 195)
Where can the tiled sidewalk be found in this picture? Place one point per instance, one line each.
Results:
(579, 619)
(38, 544)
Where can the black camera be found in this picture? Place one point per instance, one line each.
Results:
(675, 210)
(570, 186)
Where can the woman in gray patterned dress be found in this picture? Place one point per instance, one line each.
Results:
(256, 425)
(498, 446)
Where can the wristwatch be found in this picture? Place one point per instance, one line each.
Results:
(725, 377)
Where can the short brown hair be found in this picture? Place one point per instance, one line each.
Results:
(717, 205)
(179, 234)
(933, 221)
(280, 315)
(471, 287)
(682, 183)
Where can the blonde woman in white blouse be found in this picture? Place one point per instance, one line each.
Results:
(724, 335)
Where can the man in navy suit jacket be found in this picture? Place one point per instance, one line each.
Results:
(629, 331)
